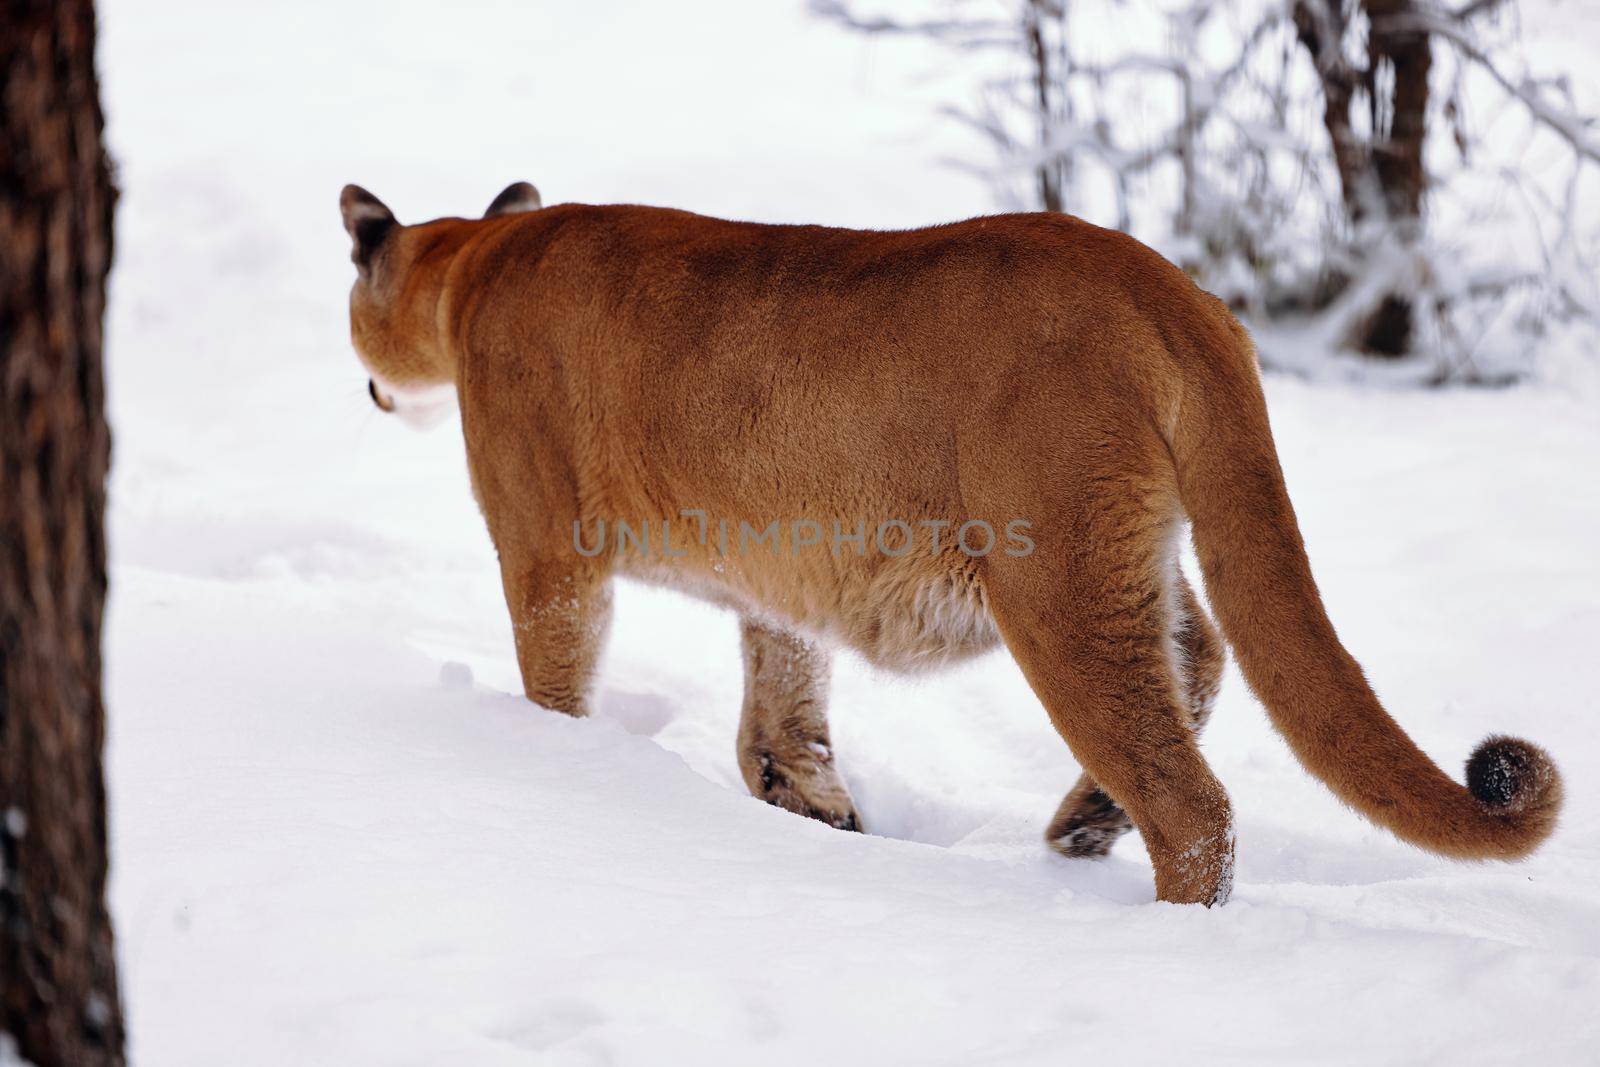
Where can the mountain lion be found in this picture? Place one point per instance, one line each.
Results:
(918, 445)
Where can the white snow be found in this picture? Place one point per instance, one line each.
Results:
(340, 838)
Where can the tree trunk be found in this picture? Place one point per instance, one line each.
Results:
(1051, 171)
(58, 988)
(1321, 26)
(1400, 51)
(1381, 177)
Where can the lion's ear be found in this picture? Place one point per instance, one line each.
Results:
(518, 196)
(367, 221)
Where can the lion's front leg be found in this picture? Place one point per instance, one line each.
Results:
(785, 754)
(559, 615)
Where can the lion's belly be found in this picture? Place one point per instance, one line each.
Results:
(924, 625)
(903, 619)
(899, 615)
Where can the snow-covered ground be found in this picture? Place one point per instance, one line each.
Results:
(328, 851)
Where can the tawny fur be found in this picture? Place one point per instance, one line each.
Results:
(785, 753)
(623, 364)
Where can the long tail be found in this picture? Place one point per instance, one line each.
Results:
(1260, 584)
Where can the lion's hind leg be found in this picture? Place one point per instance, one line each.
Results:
(1089, 617)
(1088, 822)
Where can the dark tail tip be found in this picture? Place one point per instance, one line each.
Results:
(1518, 781)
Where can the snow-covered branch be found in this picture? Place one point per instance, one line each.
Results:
(1579, 131)
(1288, 153)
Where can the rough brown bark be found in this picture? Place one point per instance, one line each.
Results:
(58, 989)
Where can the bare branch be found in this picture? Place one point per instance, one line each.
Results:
(964, 33)
(1475, 8)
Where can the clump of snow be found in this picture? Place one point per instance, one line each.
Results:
(454, 675)
(324, 851)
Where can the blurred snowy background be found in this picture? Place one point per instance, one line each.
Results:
(1401, 180)
(323, 854)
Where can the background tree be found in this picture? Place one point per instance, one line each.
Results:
(58, 987)
(1296, 156)
(1382, 177)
